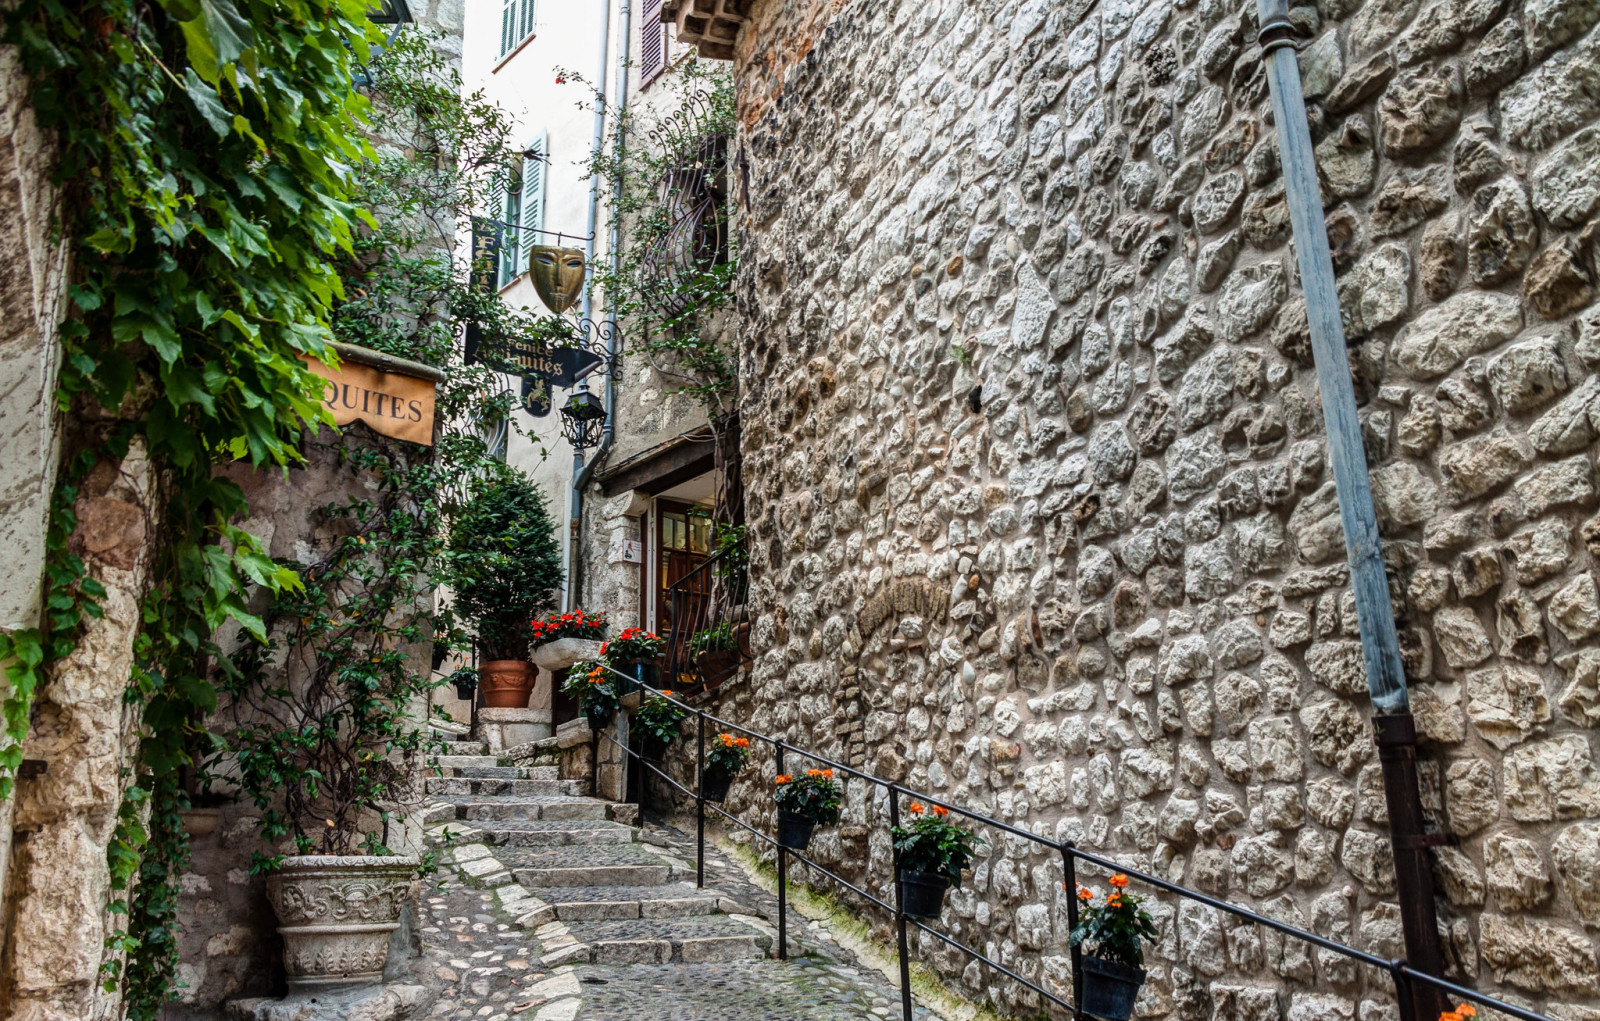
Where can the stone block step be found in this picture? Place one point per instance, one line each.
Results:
(553, 832)
(462, 785)
(512, 808)
(476, 762)
(716, 938)
(595, 903)
(465, 746)
(590, 865)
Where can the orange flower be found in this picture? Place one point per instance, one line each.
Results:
(813, 773)
(781, 779)
(1119, 880)
(1085, 894)
(916, 808)
(741, 742)
(726, 739)
(1450, 1015)
(828, 773)
(940, 811)
(667, 692)
(1114, 900)
(1466, 1010)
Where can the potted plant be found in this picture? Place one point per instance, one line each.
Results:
(590, 685)
(803, 802)
(658, 718)
(635, 652)
(562, 639)
(716, 650)
(930, 854)
(723, 761)
(319, 731)
(465, 680)
(1110, 936)
(503, 565)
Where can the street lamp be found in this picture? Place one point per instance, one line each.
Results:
(582, 418)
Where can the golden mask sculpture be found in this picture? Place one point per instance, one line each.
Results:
(557, 275)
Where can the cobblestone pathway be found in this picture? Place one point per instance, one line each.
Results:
(551, 906)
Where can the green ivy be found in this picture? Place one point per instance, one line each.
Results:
(206, 159)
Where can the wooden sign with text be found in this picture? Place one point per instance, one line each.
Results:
(393, 404)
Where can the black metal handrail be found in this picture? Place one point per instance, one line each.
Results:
(1400, 973)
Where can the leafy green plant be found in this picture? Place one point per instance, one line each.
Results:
(934, 844)
(717, 638)
(322, 733)
(633, 645)
(815, 795)
(1115, 930)
(659, 718)
(503, 562)
(727, 754)
(731, 551)
(591, 686)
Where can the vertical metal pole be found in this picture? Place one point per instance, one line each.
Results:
(1394, 731)
(1405, 992)
(1069, 864)
(700, 801)
(899, 910)
(783, 880)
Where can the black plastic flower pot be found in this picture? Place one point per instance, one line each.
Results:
(598, 717)
(714, 786)
(652, 747)
(466, 691)
(794, 831)
(1109, 989)
(922, 893)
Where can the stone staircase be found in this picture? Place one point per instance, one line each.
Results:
(574, 870)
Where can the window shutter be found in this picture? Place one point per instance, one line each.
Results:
(533, 179)
(652, 41)
(527, 20)
(511, 241)
(508, 26)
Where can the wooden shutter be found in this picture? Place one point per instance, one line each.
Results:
(534, 171)
(508, 26)
(527, 20)
(511, 240)
(652, 41)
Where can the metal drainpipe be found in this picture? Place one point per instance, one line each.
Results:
(582, 473)
(569, 597)
(1394, 730)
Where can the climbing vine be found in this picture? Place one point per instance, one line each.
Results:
(678, 254)
(219, 195)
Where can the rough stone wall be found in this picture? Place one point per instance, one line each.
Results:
(1040, 512)
(31, 293)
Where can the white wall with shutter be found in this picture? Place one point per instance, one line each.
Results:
(652, 41)
(534, 172)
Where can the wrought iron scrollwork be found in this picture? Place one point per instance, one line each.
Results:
(689, 233)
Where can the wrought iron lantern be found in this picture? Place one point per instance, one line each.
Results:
(582, 418)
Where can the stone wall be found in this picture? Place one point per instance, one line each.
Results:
(1040, 511)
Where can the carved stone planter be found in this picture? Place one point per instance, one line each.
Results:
(563, 652)
(335, 914)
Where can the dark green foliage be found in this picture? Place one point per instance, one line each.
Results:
(659, 718)
(933, 844)
(814, 795)
(504, 563)
(1113, 931)
(589, 683)
(322, 711)
(726, 754)
(716, 638)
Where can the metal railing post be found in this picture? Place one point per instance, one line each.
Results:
(1069, 864)
(700, 802)
(783, 880)
(899, 908)
(1404, 994)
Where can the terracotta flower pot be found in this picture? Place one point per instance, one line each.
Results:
(335, 914)
(507, 683)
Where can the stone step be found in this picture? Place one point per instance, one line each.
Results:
(596, 903)
(465, 746)
(716, 938)
(589, 865)
(463, 785)
(476, 762)
(553, 832)
(512, 808)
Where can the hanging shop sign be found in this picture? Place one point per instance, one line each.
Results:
(557, 275)
(392, 403)
(485, 256)
(540, 366)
